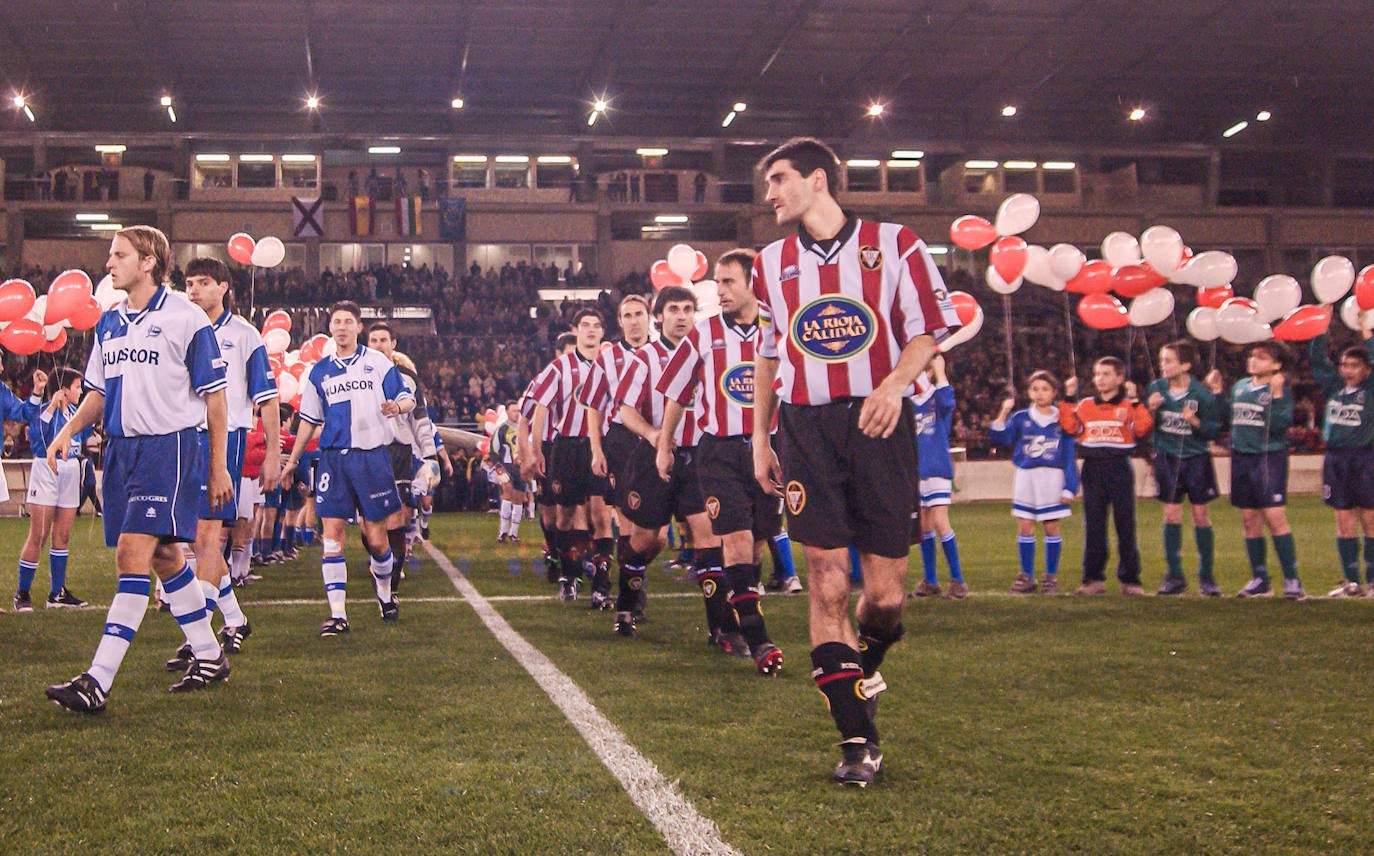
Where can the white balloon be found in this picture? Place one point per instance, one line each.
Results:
(107, 295)
(52, 331)
(330, 348)
(1353, 317)
(1202, 323)
(290, 358)
(1121, 249)
(1016, 214)
(1277, 295)
(1066, 261)
(269, 252)
(1151, 307)
(1332, 278)
(682, 260)
(964, 333)
(1162, 247)
(1211, 269)
(1001, 286)
(276, 340)
(1235, 322)
(40, 306)
(287, 386)
(708, 298)
(1038, 265)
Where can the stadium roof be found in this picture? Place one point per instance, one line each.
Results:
(943, 69)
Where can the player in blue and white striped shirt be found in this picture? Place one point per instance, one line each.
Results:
(156, 373)
(350, 398)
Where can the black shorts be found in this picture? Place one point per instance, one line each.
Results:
(543, 494)
(1259, 481)
(733, 499)
(650, 502)
(1348, 478)
(570, 472)
(403, 471)
(1194, 478)
(618, 444)
(842, 488)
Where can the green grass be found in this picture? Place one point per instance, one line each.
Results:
(1013, 725)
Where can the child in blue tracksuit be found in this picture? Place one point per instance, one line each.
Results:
(1046, 477)
(934, 408)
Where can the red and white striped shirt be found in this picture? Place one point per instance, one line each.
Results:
(639, 389)
(557, 388)
(714, 365)
(612, 360)
(837, 321)
(527, 404)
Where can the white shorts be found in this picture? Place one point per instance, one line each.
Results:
(250, 494)
(61, 489)
(935, 491)
(1038, 494)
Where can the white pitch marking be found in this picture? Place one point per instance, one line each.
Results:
(685, 830)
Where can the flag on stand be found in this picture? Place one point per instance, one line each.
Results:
(453, 221)
(360, 215)
(307, 220)
(408, 215)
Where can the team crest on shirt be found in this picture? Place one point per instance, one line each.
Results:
(633, 500)
(367, 369)
(154, 331)
(795, 496)
(737, 384)
(834, 328)
(870, 258)
(712, 507)
(789, 272)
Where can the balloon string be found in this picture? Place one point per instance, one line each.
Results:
(252, 288)
(1073, 350)
(1006, 330)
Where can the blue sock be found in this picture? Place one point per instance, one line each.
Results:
(951, 549)
(783, 544)
(307, 536)
(856, 568)
(289, 538)
(672, 537)
(26, 574)
(276, 536)
(928, 557)
(1025, 546)
(57, 568)
(1054, 545)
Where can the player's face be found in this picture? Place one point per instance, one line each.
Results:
(1041, 393)
(512, 413)
(1260, 364)
(789, 192)
(73, 391)
(1106, 380)
(634, 322)
(589, 332)
(1354, 372)
(380, 340)
(344, 327)
(125, 267)
(732, 287)
(1169, 366)
(677, 319)
(206, 293)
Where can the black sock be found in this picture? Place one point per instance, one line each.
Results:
(745, 603)
(631, 581)
(837, 674)
(873, 644)
(712, 582)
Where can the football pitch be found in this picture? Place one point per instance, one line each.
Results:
(1012, 724)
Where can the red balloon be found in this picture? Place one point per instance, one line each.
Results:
(56, 343)
(84, 317)
(1103, 312)
(16, 299)
(277, 320)
(67, 294)
(241, 248)
(964, 306)
(313, 350)
(703, 267)
(24, 336)
(1303, 323)
(1008, 257)
(1134, 280)
(1214, 297)
(483, 446)
(1364, 288)
(297, 369)
(662, 276)
(1240, 301)
(1095, 277)
(972, 232)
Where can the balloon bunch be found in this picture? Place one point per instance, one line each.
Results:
(267, 253)
(290, 367)
(31, 323)
(1009, 257)
(1275, 311)
(687, 267)
(492, 419)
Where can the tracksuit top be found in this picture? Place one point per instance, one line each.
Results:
(1258, 422)
(1173, 435)
(1349, 419)
(1038, 442)
(1105, 428)
(934, 410)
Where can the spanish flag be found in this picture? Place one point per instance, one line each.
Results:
(360, 215)
(408, 215)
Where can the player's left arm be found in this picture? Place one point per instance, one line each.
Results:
(219, 486)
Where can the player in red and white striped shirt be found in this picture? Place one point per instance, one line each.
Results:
(569, 468)
(854, 310)
(714, 366)
(564, 345)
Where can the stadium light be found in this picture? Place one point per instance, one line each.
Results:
(457, 103)
(1235, 129)
(1137, 114)
(875, 110)
(1008, 111)
(1263, 116)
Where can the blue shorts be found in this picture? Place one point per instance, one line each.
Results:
(356, 482)
(1259, 481)
(233, 459)
(1348, 478)
(157, 482)
(1193, 477)
(305, 472)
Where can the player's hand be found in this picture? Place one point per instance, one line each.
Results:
(1008, 404)
(1276, 384)
(284, 477)
(59, 447)
(1070, 387)
(271, 472)
(220, 489)
(448, 467)
(598, 463)
(880, 412)
(1132, 391)
(40, 382)
(1154, 401)
(1213, 381)
(391, 408)
(767, 470)
(663, 460)
(537, 463)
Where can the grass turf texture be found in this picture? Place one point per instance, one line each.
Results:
(1014, 725)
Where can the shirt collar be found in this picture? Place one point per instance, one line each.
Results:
(154, 303)
(223, 319)
(827, 250)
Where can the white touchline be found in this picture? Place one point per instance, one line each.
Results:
(684, 829)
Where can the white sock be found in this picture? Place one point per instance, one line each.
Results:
(335, 581)
(505, 516)
(229, 604)
(211, 596)
(187, 601)
(121, 623)
(516, 512)
(381, 572)
(238, 562)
